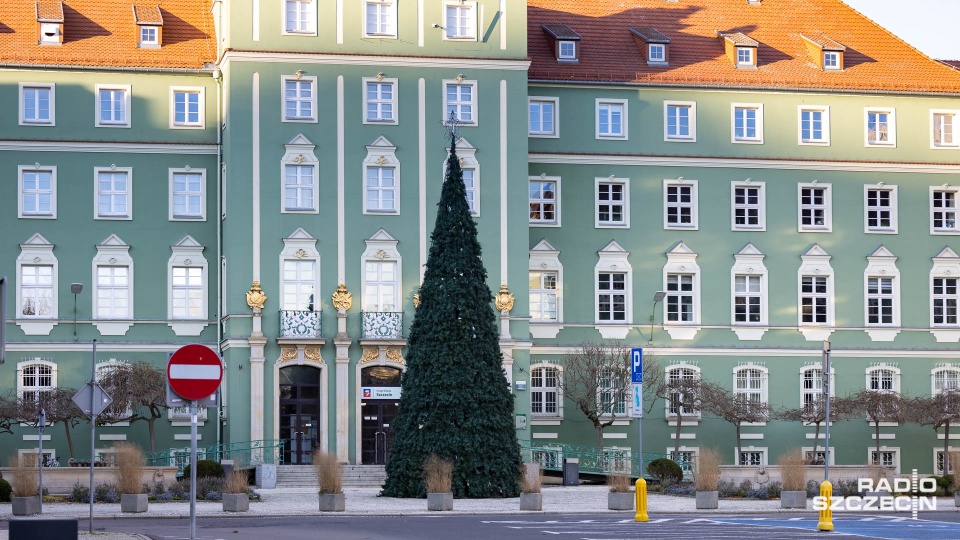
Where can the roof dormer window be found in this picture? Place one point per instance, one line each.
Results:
(831, 60)
(744, 56)
(740, 49)
(150, 26)
(657, 53)
(566, 46)
(654, 43)
(49, 22)
(826, 53)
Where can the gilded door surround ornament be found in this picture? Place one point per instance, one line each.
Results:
(287, 354)
(342, 299)
(393, 354)
(370, 354)
(255, 297)
(313, 353)
(416, 300)
(503, 299)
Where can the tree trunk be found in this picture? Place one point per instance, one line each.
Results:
(816, 441)
(876, 423)
(153, 439)
(599, 429)
(736, 458)
(66, 428)
(676, 445)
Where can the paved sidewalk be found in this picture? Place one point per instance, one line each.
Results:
(365, 501)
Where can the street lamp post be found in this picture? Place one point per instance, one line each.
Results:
(825, 370)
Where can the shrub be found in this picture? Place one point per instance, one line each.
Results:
(728, 489)
(329, 472)
(531, 482)
(206, 468)
(707, 474)
(619, 483)
(954, 458)
(26, 477)
(5, 490)
(164, 497)
(682, 490)
(177, 489)
(844, 488)
(130, 461)
(760, 494)
(105, 493)
(79, 493)
(213, 496)
(206, 485)
(666, 471)
(945, 484)
(813, 488)
(793, 470)
(438, 474)
(776, 488)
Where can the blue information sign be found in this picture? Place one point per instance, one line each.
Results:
(636, 358)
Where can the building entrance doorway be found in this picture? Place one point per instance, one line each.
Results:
(379, 401)
(299, 413)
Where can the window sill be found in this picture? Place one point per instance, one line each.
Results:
(546, 421)
(188, 328)
(685, 422)
(544, 330)
(947, 336)
(681, 332)
(543, 135)
(749, 333)
(610, 331)
(888, 334)
(36, 327)
(113, 328)
(816, 334)
(300, 120)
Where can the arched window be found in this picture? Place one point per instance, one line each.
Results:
(751, 381)
(946, 378)
(675, 402)
(34, 378)
(883, 378)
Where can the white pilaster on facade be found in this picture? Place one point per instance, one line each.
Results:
(340, 27)
(341, 365)
(503, 181)
(503, 25)
(422, 145)
(255, 135)
(420, 27)
(341, 234)
(256, 20)
(257, 342)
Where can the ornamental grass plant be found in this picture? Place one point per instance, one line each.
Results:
(26, 475)
(793, 470)
(618, 483)
(130, 462)
(707, 476)
(438, 474)
(329, 472)
(235, 482)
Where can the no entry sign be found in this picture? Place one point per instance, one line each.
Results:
(194, 372)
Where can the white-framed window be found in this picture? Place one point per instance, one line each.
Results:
(113, 106)
(745, 56)
(187, 107)
(188, 188)
(880, 209)
(750, 381)
(38, 192)
(939, 462)
(460, 99)
(880, 300)
(942, 129)
(299, 283)
(103, 371)
(831, 60)
(460, 20)
(749, 210)
(882, 294)
(543, 296)
(749, 290)
(567, 50)
(815, 212)
(816, 292)
(656, 53)
(814, 125)
(37, 286)
(381, 286)
(544, 200)
(114, 193)
(680, 204)
(187, 290)
(747, 299)
(612, 199)
(113, 286)
(470, 169)
(380, 18)
(611, 119)
(36, 291)
(544, 391)
(381, 178)
(945, 378)
(380, 101)
(885, 457)
(943, 210)
(675, 403)
(753, 457)
(613, 286)
(944, 299)
(811, 387)
(611, 394)
(149, 36)
(679, 300)
(470, 178)
(747, 123)
(883, 378)
(113, 292)
(680, 121)
(299, 99)
(616, 460)
(681, 282)
(34, 378)
(880, 128)
(37, 104)
(817, 457)
(544, 117)
(300, 16)
(299, 191)
(686, 458)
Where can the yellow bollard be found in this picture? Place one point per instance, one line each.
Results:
(826, 515)
(641, 501)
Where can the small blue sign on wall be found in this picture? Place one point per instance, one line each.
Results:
(636, 359)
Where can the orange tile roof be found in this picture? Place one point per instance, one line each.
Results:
(739, 38)
(875, 59)
(102, 33)
(150, 14)
(824, 42)
(50, 10)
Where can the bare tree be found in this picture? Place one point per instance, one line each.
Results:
(9, 414)
(815, 413)
(879, 406)
(139, 392)
(596, 378)
(939, 411)
(736, 408)
(58, 406)
(683, 393)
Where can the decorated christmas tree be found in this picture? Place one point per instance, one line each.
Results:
(456, 402)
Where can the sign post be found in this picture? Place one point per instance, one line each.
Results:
(636, 377)
(194, 372)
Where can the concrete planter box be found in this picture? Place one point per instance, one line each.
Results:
(707, 500)
(531, 501)
(133, 503)
(333, 502)
(793, 499)
(266, 476)
(620, 500)
(60, 480)
(25, 506)
(440, 502)
(236, 502)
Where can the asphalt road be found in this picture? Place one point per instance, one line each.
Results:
(943, 525)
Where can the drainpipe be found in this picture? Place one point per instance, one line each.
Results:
(218, 77)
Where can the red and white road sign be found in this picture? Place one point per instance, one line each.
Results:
(194, 371)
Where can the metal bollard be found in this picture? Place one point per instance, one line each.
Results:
(826, 515)
(641, 501)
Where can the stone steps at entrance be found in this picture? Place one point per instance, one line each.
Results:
(353, 475)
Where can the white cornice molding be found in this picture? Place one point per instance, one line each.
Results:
(44, 347)
(685, 161)
(353, 60)
(736, 353)
(109, 147)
